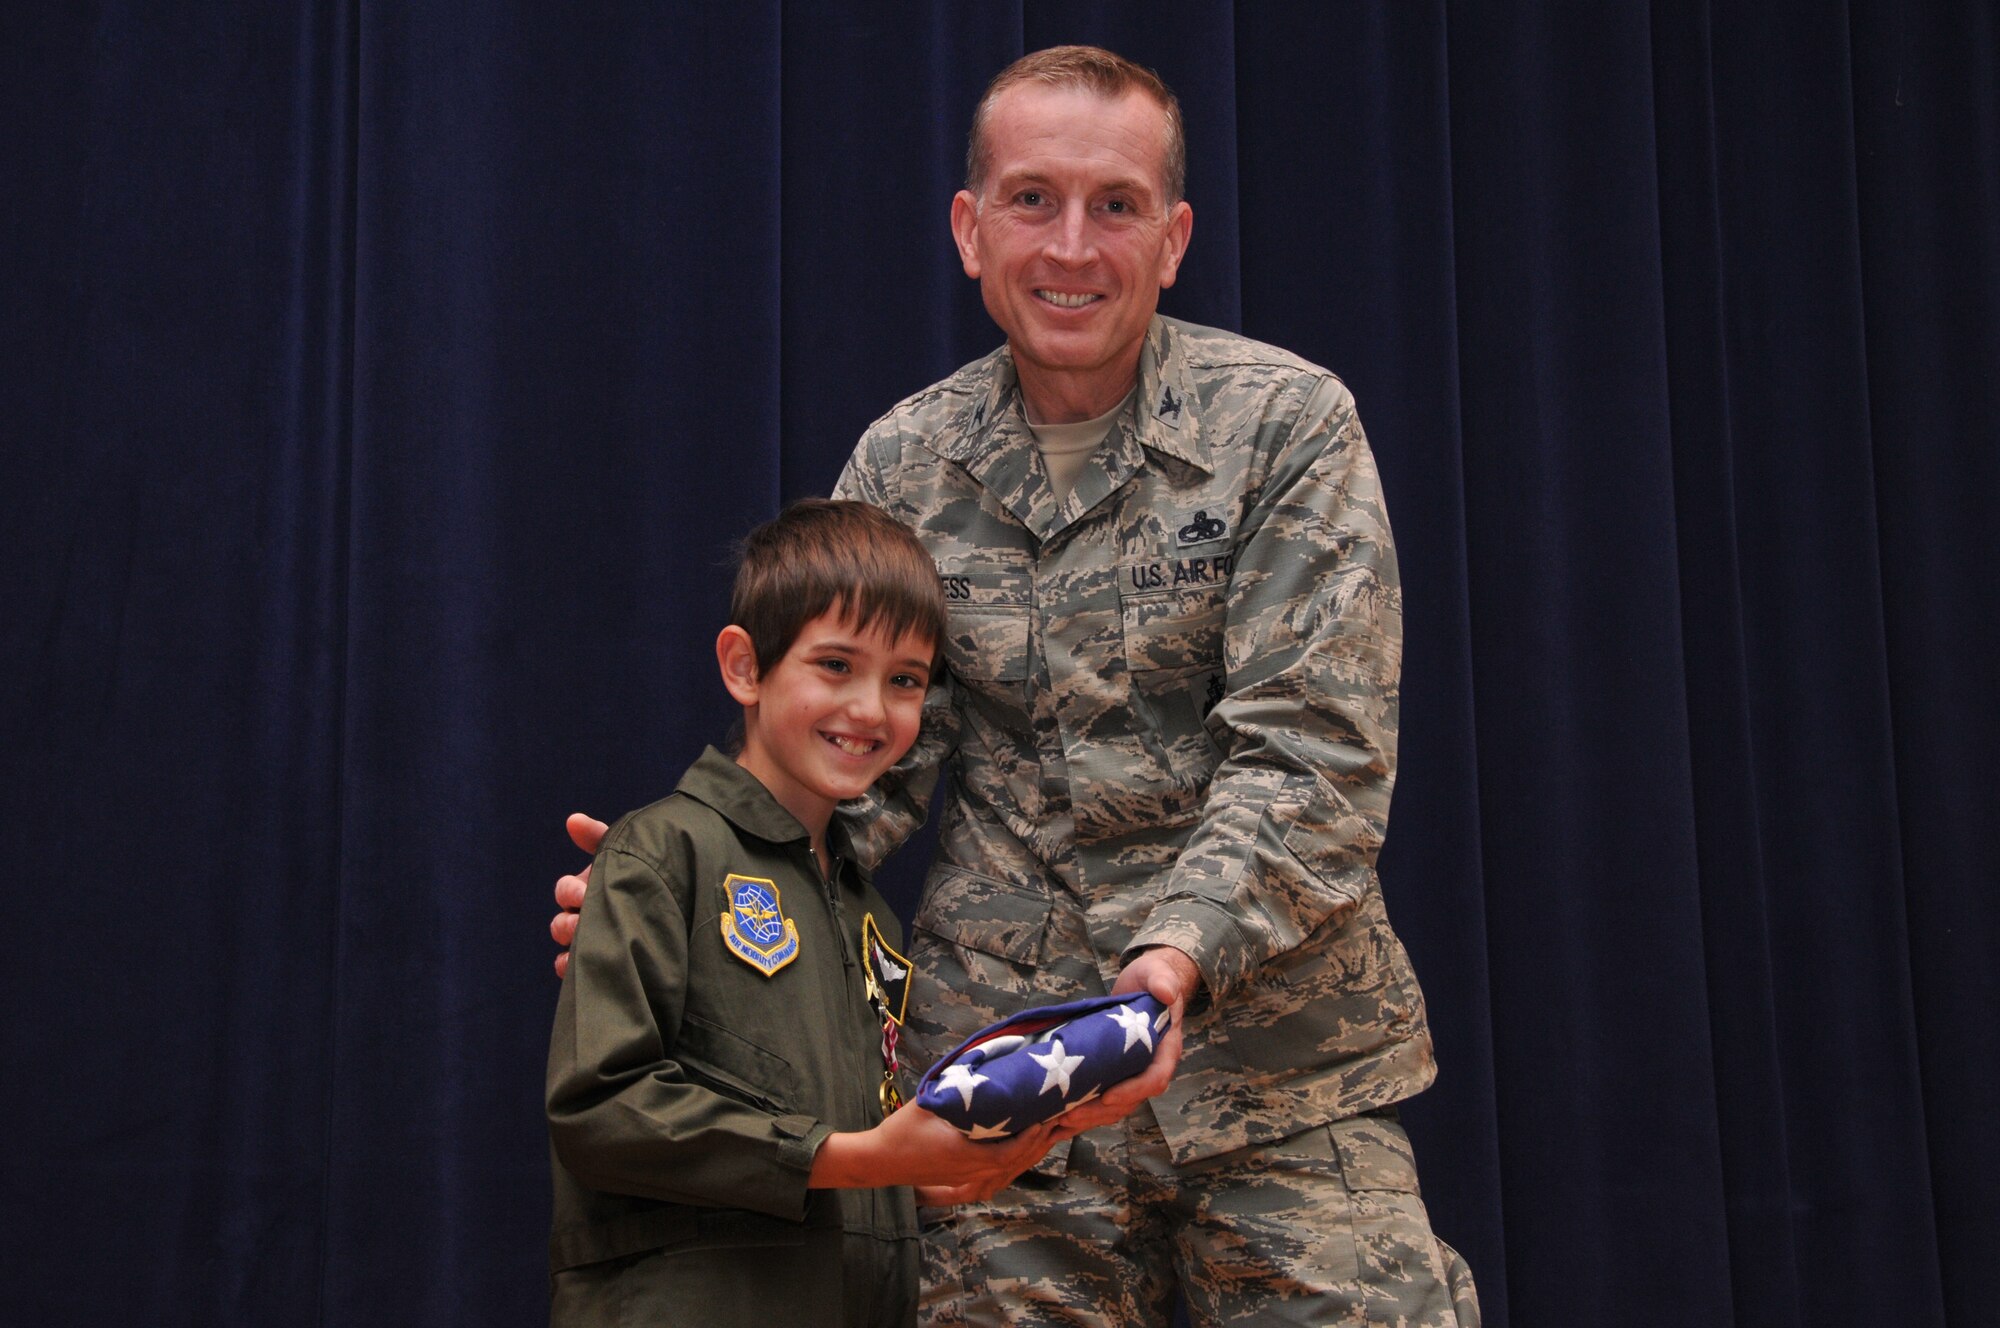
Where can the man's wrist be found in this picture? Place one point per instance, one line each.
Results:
(1181, 967)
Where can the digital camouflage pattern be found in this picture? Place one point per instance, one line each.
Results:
(1170, 718)
(1326, 1228)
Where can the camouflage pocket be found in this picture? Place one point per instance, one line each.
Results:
(975, 945)
(983, 913)
(1375, 1154)
(1178, 629)
(987, 642)
(1334, 843)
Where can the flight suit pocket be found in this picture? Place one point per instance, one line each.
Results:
(736, 1066)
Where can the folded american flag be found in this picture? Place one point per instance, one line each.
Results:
(1039, 1063)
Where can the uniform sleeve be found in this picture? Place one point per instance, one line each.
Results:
(894, 809)
(624, 1114)
(1297, 809)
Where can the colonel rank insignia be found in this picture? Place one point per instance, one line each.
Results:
(753, 928)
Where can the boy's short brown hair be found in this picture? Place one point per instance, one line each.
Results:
(824, 553)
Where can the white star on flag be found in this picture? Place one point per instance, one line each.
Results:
(1058, 1065)
(963, 1079)
(1137, 1027)
(988, 1131)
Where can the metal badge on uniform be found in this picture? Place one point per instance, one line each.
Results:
(886, 976)
(888, 972)
(754, 928)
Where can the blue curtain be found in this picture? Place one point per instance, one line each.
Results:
(383, 384)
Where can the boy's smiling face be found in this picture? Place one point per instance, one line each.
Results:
(824, 722)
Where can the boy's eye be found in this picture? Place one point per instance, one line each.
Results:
(834, 665)
(909, 680)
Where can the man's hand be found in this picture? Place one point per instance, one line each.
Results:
(586, 833)
(1172, 979)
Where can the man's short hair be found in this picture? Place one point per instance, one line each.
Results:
(822, 553)
(1088, 69)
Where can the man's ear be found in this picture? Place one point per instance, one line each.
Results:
(737, 657)
(965, 231)
(1173, 246)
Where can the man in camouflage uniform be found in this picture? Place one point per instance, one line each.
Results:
(1170, 724)
(1170, 721)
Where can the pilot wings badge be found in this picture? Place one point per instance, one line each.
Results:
(754, 929)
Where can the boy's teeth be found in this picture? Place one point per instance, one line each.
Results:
(851, 746)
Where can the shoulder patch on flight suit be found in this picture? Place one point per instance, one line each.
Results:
(755, 929)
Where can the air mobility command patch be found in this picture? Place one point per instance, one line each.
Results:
(754, 929)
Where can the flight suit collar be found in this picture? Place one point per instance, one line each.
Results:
(740, 798)
(990, 438)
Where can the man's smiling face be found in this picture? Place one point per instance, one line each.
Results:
(1071, 238)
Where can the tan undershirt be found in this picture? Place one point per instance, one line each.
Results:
(1066, 447)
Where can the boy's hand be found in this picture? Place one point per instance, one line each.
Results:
(914, 1147)
(586, 833)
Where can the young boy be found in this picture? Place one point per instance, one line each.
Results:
(716, 1086)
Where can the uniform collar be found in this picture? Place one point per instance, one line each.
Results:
(990, 436)
(740, 798)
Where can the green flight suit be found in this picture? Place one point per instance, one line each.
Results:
(688, 1087)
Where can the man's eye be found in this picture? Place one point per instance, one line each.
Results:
(1118, 205)
(1030, 197)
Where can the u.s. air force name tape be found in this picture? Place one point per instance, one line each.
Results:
(1039, 1063)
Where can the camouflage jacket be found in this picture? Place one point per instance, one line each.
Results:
(1169, 718)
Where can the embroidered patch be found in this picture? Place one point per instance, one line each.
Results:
(887, 977)
(754, 928)
(1205, 690)
(1202, 529)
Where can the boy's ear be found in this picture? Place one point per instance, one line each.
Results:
(737, 657)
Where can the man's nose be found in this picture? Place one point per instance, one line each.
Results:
(1071, 241)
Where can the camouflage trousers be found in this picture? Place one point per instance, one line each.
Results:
(1325, 1227)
